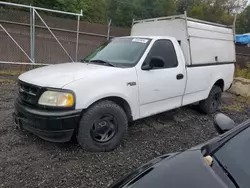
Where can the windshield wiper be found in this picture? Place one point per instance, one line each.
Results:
(102, 62)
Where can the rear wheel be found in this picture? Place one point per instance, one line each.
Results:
(212, 103)
(102, 127)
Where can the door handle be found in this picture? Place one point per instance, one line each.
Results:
(179, 76)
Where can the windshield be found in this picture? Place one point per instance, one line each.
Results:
(120, 51)
(234, 156)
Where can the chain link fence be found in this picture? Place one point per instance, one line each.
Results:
(242, 52)
(243, 56)
(55, 38)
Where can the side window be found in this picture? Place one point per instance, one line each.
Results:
(164, 49)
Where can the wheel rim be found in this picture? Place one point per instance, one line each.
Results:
(216, 101)
(104, 128)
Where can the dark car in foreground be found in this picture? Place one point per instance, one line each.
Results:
(221, 162)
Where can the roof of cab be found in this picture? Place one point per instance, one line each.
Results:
(149, 37)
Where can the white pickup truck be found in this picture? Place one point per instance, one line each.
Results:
(166, 63)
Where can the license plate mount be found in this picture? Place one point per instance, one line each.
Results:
(17, 121)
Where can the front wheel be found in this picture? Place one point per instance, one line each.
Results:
(212, 103)
(102, 127)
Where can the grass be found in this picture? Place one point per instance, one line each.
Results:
(6, 81)
(11, 72)
(18, 70)
(243, 72)
(234, 107)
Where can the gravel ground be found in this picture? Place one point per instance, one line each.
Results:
(28, 161)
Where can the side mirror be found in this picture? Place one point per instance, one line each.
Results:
(155, 62)
(223, 123)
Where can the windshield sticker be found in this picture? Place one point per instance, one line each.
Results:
(140, 40)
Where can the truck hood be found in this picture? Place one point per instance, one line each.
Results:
(59, 75)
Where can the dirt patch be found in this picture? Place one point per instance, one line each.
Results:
(27, 161)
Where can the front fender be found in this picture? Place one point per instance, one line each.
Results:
(92, 89)
(96, 98)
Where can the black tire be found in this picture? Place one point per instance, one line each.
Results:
(212, 103)
(97, 120)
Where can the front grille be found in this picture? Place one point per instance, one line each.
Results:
(29, 93)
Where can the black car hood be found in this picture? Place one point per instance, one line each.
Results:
(187, 169)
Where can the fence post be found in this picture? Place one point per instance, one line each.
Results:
(108, 33)
(234, 26)
(132, 26)
(32, 34)
(77, 36)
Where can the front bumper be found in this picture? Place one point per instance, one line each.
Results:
(51, 125)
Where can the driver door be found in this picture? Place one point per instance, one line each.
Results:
(161, 88)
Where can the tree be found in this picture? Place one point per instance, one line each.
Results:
(210, 10)
(123, 11)
(243, 22)
(233, 6)
(164, 8)
(94, 11)
(196, 12)
(185, 5)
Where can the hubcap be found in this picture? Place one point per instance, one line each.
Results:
(104, 128)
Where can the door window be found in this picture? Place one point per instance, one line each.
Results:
(165, 50)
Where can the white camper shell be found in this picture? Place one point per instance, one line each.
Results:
(202, 42)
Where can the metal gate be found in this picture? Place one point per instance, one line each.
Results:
(33, 15)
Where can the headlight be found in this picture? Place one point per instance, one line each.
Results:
(57, 99)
